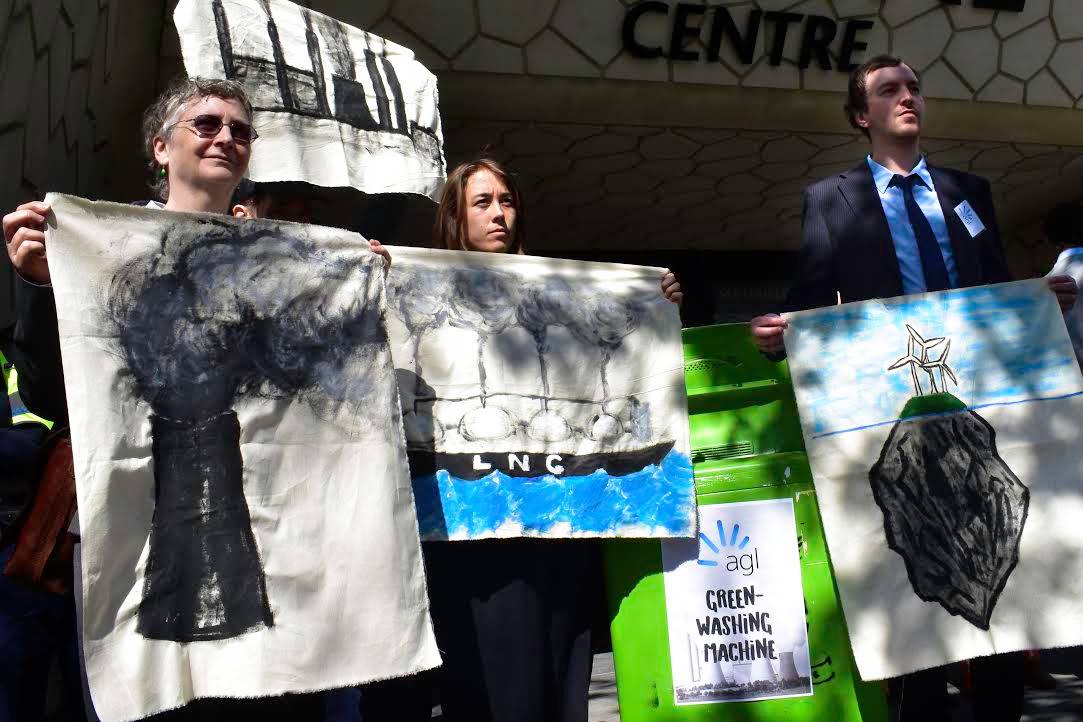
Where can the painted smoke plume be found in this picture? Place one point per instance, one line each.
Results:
(542, 306)
(221, 312)
(488, 302)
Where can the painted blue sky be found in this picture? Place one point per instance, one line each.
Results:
(1008, 344)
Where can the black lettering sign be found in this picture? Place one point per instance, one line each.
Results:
(628, 29)
(688, 21)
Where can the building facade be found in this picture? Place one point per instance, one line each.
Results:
(670, 133)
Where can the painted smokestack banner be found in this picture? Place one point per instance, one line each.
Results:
(540, 397)
(239, 458)
(958, 414)
(735, 592)
(335, 106)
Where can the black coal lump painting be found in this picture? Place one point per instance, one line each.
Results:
(224, 312)
(953, 509)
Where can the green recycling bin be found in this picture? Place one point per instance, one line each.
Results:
(727, 658)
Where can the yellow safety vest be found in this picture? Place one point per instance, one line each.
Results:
(19, 413)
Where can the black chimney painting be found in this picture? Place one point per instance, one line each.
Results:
(335, 105)
(225, 311)
(247, 523)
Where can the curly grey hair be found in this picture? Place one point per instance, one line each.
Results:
(168, 108)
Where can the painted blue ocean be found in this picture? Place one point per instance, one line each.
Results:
(659, 497)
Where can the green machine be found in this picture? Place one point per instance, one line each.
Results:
(746, 446)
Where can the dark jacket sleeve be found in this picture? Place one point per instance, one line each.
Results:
(994, 263)
(36, 352)
(815, 285)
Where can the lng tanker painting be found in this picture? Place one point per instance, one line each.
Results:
(540, 397)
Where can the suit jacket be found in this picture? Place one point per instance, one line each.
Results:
(847, 247)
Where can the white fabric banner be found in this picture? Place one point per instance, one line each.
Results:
(943, 434)
(541, 397)
(247, 523)
(334, 106)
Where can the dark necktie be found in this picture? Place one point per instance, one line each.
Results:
(932, 260)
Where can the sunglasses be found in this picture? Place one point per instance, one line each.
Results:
(209, 126)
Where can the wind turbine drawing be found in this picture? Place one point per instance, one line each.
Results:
(945, 370)
(917, 357)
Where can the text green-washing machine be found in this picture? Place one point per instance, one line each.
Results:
(745, 622)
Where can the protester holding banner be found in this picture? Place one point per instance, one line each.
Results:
(198, 138)
(512, 616)
(896, 225)
(1063, 228)
(198, 141)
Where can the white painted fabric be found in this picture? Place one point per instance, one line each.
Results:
(320, 508)
(334, 106)
(942, 431)
(541, 397)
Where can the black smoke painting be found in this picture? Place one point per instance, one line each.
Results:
(942, 434)
(540, 397)
(245, 461)
(219, 312)
(335, 106)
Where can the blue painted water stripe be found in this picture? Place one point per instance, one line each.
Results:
(947, 413)
(660, 497)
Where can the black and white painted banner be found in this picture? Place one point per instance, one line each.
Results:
(541, 397)
(335, 106)
(244, 501)
(943, 434)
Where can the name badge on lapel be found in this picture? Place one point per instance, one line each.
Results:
(970, 219)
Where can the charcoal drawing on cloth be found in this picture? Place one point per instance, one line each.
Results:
(937, 428)
(334, 105)
(559, 411)
(243, 461)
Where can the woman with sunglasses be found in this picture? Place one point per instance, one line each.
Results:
(198, 138)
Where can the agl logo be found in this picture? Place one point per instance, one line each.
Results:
(729, 550)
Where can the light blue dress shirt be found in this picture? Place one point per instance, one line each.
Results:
(902, 233)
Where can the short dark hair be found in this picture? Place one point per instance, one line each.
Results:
(169, 106)
(1063, 225)
(857, 92)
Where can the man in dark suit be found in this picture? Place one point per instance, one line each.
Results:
(894, 225)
